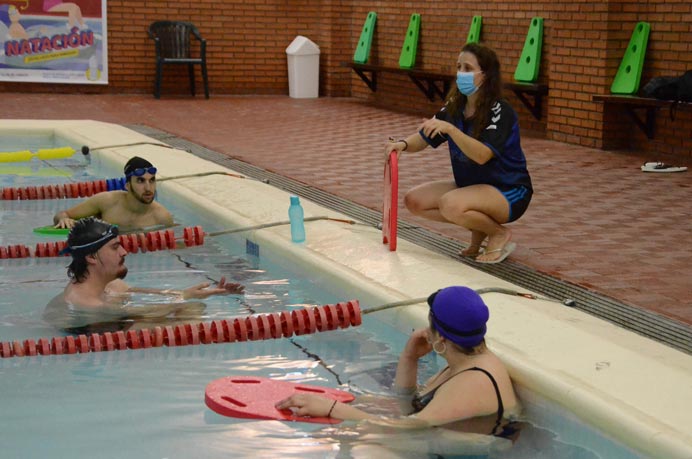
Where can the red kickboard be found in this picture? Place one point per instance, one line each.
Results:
(390, 201)
(254, 397)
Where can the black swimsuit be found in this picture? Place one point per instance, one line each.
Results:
(421, 401)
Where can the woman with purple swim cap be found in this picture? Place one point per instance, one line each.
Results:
(473, 391)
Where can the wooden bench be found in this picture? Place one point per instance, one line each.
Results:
(534, 90)
(434, 84)
(648, 105)
(430, 83)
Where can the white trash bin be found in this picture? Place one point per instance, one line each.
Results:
(303, 68)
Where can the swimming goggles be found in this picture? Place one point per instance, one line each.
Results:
(140, 171)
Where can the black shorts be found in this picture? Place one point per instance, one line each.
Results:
(518, 198)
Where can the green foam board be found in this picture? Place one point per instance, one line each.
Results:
(530, 60)
(407, 59)
(630, 71)
(362, 53)
(474, 35)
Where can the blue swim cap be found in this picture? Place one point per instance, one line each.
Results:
(459, 314)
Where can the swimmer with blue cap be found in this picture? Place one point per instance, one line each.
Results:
(131, 209)
(473, 392)
(97, 299)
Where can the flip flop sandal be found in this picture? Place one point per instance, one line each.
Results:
(504, 253)
(481, 250)
(662, 167)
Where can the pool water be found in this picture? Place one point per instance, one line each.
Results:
(150, 403)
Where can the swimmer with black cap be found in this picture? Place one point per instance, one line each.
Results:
(97, 299)
(131, 209)
(473, 392)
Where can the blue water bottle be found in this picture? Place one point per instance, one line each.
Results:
(295, 215)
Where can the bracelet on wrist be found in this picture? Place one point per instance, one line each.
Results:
(329, 415)
(405, 144)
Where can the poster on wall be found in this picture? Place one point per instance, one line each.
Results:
(53, 41)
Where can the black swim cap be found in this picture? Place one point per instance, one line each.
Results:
(136, 163)
(88, 235)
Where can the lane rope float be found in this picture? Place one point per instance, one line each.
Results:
(42, 154)
(84, 189)
(251, 328)
(150, 241)
(256, 327)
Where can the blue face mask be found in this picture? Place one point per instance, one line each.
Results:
(465, 83)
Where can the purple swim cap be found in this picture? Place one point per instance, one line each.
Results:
(459, 314)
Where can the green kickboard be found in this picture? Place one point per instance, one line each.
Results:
(407, 59)
(630, 71)
(51, 231)
(474, 35)
(530, 60)
(362, 53)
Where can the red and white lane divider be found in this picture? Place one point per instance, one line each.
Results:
(252, 328)
(151, 241)
(61, 191)
(133, 243)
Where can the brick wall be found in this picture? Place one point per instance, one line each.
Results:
(582, 47)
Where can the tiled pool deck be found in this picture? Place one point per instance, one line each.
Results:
(596, 220)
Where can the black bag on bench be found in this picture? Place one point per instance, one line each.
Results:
(677, 89)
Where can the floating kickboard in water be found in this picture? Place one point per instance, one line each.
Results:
(50, 230)
(254, 398)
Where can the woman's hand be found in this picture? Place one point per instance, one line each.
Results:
(433, 127)
(307, 405)
(394, 145)
(201, 291)
(418, 344)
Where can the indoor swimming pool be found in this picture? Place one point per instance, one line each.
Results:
(150, 402)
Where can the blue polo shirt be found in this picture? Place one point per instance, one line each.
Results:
(507, 169)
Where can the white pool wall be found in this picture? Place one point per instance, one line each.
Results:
(634, 389)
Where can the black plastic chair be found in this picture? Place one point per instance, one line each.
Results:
(172, 40)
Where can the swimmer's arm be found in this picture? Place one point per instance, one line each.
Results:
(90, 207)
(407, 368)
(118, 288)
(149, 311)
(350, 413)
(199, 291)
(155, 291)
(318, 406)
